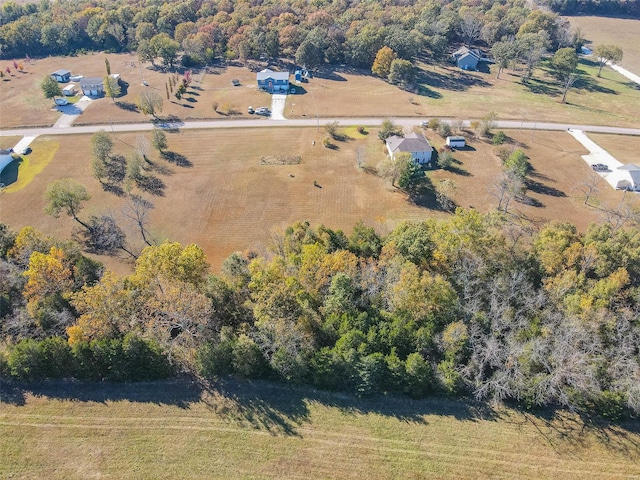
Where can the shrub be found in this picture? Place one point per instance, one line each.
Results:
(433, 124)
(326, 142)
(372, 374)
(499, 138)
(445, 159)
(248, 360)
(215, 359)
(450, 378)
(131, 359)
(362, 130)
(444, 129)
(418, 376)
(36, 360)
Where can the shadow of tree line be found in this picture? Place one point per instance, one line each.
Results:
(281, 409)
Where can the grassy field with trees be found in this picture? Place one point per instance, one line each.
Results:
(231, 195)
(293, 302)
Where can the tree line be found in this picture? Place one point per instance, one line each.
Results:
(197, 32)
(458, 307)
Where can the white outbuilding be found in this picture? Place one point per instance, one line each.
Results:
(456, 142)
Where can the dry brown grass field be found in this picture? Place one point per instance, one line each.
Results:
(263, 431)
(226, 200)
(624, 148)
(623, 32)
(444, 92)
(451, 93)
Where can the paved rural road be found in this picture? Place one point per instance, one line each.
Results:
(310, 122)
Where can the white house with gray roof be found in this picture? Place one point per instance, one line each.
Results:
(273, 82)
(414, 143)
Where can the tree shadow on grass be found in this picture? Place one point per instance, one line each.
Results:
(328, 74)
(455, 81)
(543, 189)
(151, 184)
(128, 106)
(113, 188)
(585, 82)
(176, 158)
(157, 167)
(457, 170)
(175, 392)
(541, 87)
(280, 409)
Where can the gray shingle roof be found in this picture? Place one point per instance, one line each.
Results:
(62, 72)
(90, 82)
(266, 73)
(412, 142)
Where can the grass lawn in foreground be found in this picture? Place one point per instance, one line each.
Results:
(225, 200)
(239, 430)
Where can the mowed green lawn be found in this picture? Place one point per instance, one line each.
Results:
(263, 430)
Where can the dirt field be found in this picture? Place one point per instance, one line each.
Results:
(444, 92)
(227, 201)
(617, 31)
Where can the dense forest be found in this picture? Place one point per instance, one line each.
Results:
(471, 305)
(315, 32)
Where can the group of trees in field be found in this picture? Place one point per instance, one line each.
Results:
(464, 306)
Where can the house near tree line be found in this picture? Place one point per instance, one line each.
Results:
(415, 144)
(61, 76)
(273, 82)
(467, 58)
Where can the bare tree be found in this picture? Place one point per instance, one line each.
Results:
(470, 28)
(105, 237)
(137, 209)
(143, 146)
(590, 186)
(621, 215)
(361, 154)
(445, 191)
